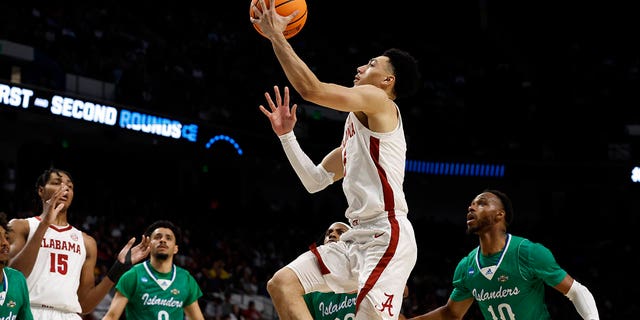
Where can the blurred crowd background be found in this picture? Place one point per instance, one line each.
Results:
(551, 91)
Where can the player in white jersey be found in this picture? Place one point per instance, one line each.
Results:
(378, 254)
(58, 260)
(66, 246)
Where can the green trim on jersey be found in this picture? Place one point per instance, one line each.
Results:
(148, 300)
(16, 303)
(331, 306)
(515, 290)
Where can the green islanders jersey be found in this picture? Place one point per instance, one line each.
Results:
(510, 284)
(14, 297)
(157, 296)
(331, 306)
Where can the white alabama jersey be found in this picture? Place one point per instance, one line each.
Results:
(373, 171)
(53, 283)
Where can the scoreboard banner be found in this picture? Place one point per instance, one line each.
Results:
(61, 105)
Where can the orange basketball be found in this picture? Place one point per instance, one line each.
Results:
(285, 8)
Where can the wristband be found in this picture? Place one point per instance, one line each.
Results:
(118, 268)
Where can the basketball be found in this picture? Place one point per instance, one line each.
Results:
(285, 8)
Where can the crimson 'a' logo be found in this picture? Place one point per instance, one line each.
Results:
(388, 304)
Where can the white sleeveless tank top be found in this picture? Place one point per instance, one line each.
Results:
(374, 166)
(55, 278)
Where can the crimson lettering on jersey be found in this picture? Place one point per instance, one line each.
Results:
(349, 131)
(60, 245)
